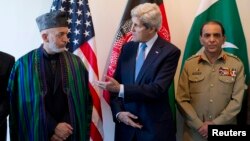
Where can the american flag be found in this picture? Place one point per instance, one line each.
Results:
(82, 43)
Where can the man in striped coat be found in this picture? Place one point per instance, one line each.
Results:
(48, 88)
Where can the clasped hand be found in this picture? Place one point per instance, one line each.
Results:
(203, 130)
(62, 132)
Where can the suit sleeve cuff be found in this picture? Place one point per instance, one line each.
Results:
(116, 116)
(121, 92)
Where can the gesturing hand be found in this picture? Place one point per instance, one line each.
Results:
(111, 84)
(127, 118)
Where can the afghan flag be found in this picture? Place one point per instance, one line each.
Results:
(124, 35)
(226, 12)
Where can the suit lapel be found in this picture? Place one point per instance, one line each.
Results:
(129, 64)
(151, 57)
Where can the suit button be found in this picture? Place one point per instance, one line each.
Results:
(211, 101)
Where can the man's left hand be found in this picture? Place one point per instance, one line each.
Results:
(203, 130)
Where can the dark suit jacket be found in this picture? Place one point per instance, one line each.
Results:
(147, 97)
(6, 63)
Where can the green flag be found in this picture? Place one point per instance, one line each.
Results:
(226, 12)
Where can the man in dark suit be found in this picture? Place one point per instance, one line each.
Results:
(140, 103)
(6, 63)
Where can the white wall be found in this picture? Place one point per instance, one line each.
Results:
(19, 33)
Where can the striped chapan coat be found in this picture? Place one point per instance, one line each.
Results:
(27, 88)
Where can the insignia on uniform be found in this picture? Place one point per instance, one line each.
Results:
(197, 72)
(224, 71)
(224, 57)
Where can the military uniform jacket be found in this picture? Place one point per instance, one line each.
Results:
(210, 92)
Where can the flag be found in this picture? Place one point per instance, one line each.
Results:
(82, 43)
(124, 35)
(226, 12)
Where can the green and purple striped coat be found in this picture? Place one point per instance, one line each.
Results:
(27, 88)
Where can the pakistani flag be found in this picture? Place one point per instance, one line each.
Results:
(226, 12)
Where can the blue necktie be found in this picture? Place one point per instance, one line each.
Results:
(140, 59)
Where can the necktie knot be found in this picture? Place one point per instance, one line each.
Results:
(141, 52)
(143, 46)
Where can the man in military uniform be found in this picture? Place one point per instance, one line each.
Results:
(211, 85)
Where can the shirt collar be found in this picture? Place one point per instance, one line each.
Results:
(50, 56)
(150, 44)
(222, 56)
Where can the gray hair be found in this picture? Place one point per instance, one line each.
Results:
(149, 14)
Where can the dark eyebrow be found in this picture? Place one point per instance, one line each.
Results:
(215, 34)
